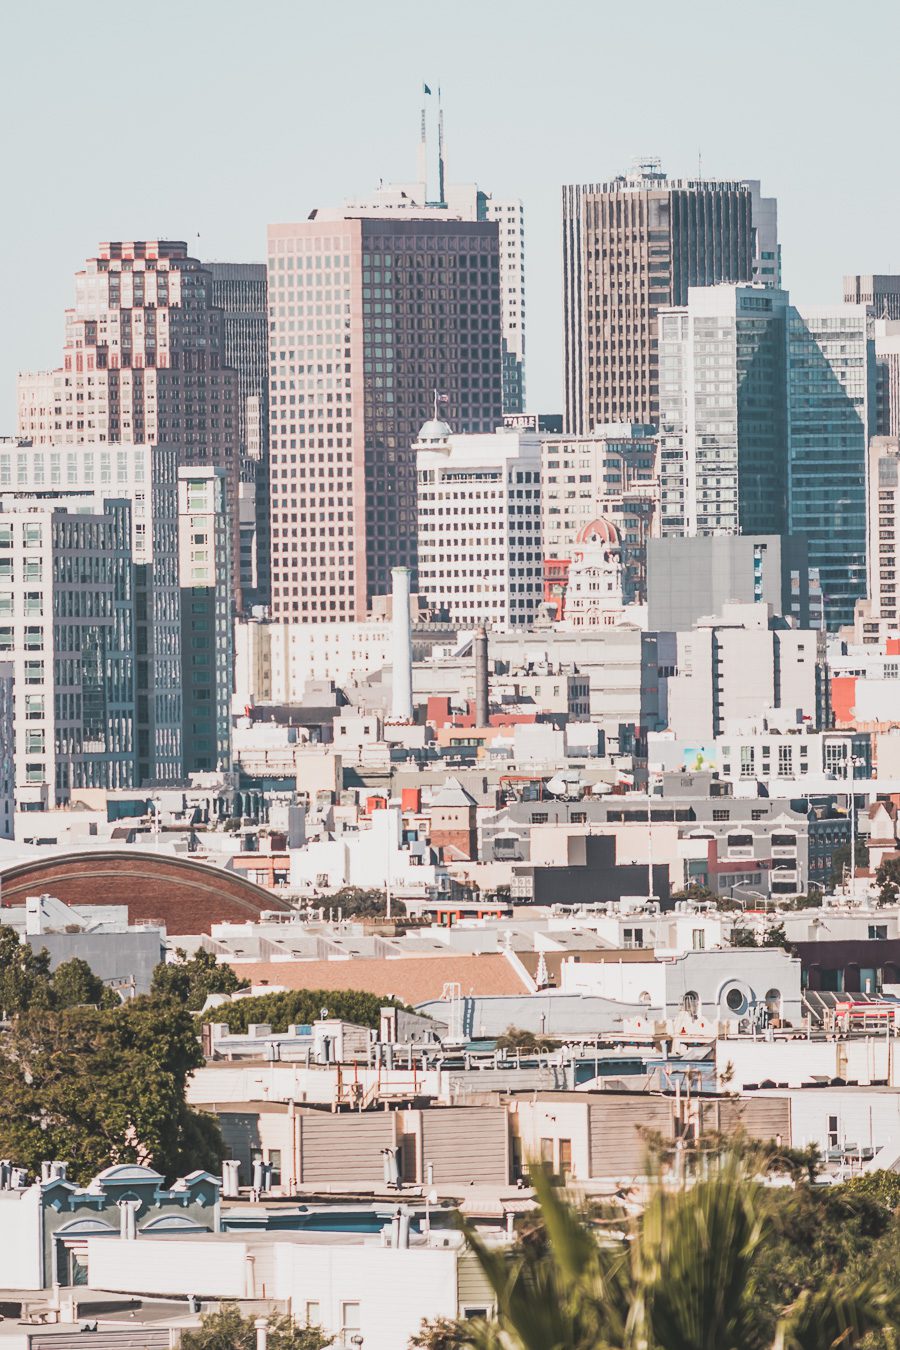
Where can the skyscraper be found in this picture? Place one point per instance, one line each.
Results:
(144, 361)
(630, 248)
(370, 320)
(723, 412)
(831, 408)
(765, 412)
(480, 524)
(207, 641)
(67, 625)
(239, 290)
(146, 476)
(432, 196)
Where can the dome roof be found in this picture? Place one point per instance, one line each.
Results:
(599, 531)
(434, 430)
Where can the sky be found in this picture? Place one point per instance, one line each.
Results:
(205, 120)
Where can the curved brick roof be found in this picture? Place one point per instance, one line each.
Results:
(187, 896)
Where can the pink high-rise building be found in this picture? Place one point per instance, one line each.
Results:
(369, 321)
(143, 363)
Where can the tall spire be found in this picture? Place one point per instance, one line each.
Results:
(422, 160)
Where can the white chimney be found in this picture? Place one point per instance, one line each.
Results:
(401, 655)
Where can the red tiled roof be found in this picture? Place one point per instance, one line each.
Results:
(413, 979)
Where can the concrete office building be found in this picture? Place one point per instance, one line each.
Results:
(632, 247)
(144, 362)
(879, 613)
(723, 412)
(146, 476)
(740, 664)
(207, 641)
(613, 473)
(886, 333)
(689, 579)
(430, 196)
(831, 408)
(479, 515)
(67, 627)
(239, 291)
(7, 749)
(368, 318)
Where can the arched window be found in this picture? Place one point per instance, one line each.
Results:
(690, 1003)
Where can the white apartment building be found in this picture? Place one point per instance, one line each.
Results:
(204, 569)
(878, 615)
(786, 759)
(145, 475)
(7, 747)
(479, 524)
(67, 627)
(740, 665)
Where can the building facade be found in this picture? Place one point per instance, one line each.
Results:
(144, 362)
(723, 412)
(368, 317)
(479, 517)
(632, 247)
(239, 291)
(831, 407)
(7, 749)
(689, 579)
(146, 476)
(880, 611)
(207, 635)
(67, 627)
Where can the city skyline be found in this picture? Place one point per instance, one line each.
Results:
(299, 148)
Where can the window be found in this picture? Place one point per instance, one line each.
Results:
(735, 1000)
(690, 1003)
(275, 1164)
(634, 937)
(349, 1321)
(313, 1314)
(833, 1132)
(698, 939)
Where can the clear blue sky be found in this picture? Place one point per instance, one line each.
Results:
(205, 119)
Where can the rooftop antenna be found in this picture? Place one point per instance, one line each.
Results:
(700, 165)
(423, 145)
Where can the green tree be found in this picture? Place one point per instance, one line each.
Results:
(190, 981)
(742, 937)
(515, 1038)
(102, 1086)
(228, 1329)
(697, 1270)
(73, 983)
(887, 878)
(279, 1011)
(24, 975)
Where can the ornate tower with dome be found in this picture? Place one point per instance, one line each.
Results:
(594, 593)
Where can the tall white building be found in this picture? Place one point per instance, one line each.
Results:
(207, 636)
(146, 476)
(479, 519)
(67, 626)
(878, 616)
(7, 750)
